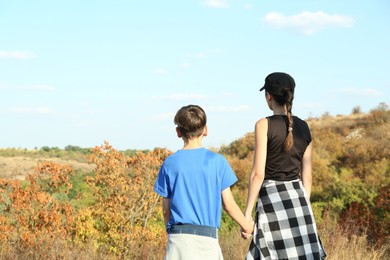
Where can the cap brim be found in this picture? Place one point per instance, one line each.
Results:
(262, 88)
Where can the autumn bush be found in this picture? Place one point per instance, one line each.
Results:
(34, 216)
(125, 216)
(38, 219)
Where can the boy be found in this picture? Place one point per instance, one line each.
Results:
(194, 183)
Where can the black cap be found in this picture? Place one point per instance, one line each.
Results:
(277, 81)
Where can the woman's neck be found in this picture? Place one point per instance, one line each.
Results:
(280, 111)
(277, 108)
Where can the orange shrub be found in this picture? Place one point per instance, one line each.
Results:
(125, 214)
(31, 218)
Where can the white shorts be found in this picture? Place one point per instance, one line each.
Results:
(192, 247)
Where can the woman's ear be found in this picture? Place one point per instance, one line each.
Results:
(178, 132)
(268, 96)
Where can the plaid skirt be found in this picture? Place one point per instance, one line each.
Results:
(284, 226)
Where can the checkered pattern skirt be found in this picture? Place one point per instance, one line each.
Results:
(284, 226)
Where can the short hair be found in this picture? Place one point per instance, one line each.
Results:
(191, 121)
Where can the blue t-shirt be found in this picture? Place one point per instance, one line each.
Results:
(193, 180)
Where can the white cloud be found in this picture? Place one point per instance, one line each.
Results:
(29, 88)
(247, 6)
(240, 108)
(16, 54)
(194, 96)
(200, 55)
(204, 54)
(308, 105)
(228, 94)
(92, 111)
(41, 87)
(363, 92)
(180, 96)
(160, 71)
(30, 110)
(216, 51)
(82, 124)
(216, 3)
(162, 117)
(186, 64)
(308, 22)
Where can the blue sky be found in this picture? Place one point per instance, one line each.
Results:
(79, 72)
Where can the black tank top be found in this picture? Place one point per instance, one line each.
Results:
(281, 165)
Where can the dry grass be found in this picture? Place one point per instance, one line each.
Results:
(340, 247)
(19, 166)
(233, 246)
(342, 244)
(337, 243)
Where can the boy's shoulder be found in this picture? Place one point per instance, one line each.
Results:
(195, 152)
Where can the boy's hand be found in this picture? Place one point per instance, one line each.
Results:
(248, 231)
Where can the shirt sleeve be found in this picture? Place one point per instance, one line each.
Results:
(161, 187)
(228, 176)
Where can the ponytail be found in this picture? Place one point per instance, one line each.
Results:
(287, 99)
(289, 141)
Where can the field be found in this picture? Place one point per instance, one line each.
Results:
(17, 167)
(83, 203)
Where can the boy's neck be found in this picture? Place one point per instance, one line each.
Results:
(193, 143)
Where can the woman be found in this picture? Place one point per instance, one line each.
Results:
(280, 180)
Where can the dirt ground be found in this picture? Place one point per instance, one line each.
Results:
(18, 167)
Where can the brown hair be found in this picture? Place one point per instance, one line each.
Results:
(191, 121)
(287, 98)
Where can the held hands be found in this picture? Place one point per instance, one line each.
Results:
(248, 230)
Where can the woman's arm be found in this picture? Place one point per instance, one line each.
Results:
(307, 169)
(258, 169)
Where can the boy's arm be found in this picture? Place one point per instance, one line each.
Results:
(166, 210)
(235, 212)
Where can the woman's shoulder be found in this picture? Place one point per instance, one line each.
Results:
(262, 121)
(261, 125)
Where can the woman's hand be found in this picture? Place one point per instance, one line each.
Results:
(248, 231)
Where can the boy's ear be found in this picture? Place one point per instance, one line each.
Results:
(178, 132)
(205, 131)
